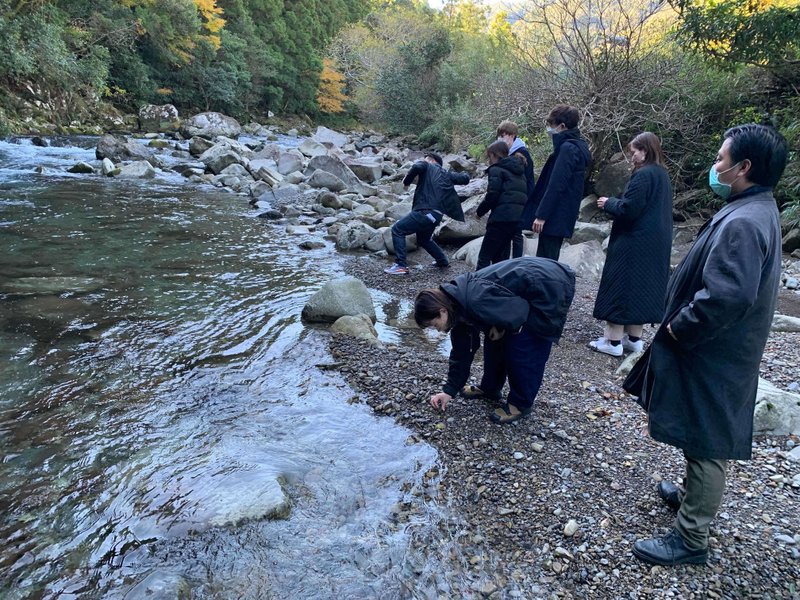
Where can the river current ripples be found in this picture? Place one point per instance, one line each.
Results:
(162, 424)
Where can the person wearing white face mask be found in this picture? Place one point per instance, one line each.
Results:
(701, 375)
(553, 207)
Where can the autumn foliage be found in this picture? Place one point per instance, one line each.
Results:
(331, 96)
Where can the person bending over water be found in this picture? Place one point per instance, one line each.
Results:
(521, 306)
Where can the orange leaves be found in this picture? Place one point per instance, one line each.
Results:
(212, 19)
(330, 95)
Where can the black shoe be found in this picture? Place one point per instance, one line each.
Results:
(440, 265)
(671, 494)
(669, 551)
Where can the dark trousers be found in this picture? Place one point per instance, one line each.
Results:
(549, 246)
(705, 485)
(520, 357)
(496, 244)
(423, 223)
(517, 244)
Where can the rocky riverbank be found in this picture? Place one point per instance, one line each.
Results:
(551, 506)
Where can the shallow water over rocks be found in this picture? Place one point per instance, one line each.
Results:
(164, 432)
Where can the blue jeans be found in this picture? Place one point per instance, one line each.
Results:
(519, 356)
(421, 222)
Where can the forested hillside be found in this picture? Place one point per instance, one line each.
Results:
(684, 69)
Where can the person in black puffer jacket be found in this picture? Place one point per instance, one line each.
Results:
(505, 198)
(521, 306)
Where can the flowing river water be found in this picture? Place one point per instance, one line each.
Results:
(162, 422)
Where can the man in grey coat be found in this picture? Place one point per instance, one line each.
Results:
(700, 386)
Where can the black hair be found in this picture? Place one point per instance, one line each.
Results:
(435, 157)
(764, 147)
(427, 305)
(566, 115)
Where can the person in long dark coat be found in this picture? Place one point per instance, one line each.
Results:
(700, 385)
(506, 195)
(521, 306)
(636, 270)
(553, 208)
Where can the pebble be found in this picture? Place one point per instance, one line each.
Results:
(537, 447)
(570, 528)
(518, 456)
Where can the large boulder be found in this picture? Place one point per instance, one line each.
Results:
(367, 169)
(118, 149)
(586, 259)
(459, 163)
(777, 412)
(324, 179)
(334, 165)
(589, 211)
(586, 232)
(388, 242)
(785, 323)
(337, 298)
(220, 156)
(312, 148)
(141, 169)
(613, 177)
(289, 162)
(265, 170)
(154, 118)
(791, 241)
(358, 326)
(353, 235)
(469, 252)
(210, 125)
(450, 230)
(376, 243)
(323, 135)
(399, 210)
(198, 145)
(473, 188)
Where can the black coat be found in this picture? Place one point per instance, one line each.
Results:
(530, 178)
(636, 270)
(435, 189)
(506, 193)
(558, 192)
(700, 390)
(528, 291)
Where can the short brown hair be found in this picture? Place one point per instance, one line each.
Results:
(507, 128)
(566, 115)
(498, 149)
(651, 144)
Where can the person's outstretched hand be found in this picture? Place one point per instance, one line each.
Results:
(439, 401)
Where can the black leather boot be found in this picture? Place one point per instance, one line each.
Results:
(671, 494)
(669, 551)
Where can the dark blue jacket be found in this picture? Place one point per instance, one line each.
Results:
(435, 189)
(558, 193)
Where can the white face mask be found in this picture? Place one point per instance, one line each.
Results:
(551, 130)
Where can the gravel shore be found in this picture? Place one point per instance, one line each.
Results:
(550, 506)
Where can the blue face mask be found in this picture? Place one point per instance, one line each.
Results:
(551, 131)
(723, 190)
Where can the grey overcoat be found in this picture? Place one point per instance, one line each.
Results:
(700, 390)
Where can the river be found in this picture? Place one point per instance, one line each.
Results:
(163, 424)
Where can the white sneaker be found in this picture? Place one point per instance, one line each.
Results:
(603, 345)
(629, 346)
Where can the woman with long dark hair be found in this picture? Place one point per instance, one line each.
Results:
(636, 270)
(521, 306)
